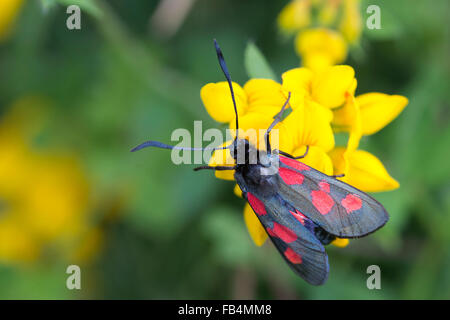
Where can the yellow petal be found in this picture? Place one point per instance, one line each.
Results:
(223, 158)
(316, 158)
(310, 126)
(252, 127)
(294, 16)
(264, 96)
(317, 61)
(379, 109)
(339, 242)
(285, 138)
(318, 110)
(254, 226)
(365, 171)
(298, 82)
(344, 118)
(349, 118)
(217, 100)
(327, 14)
(338, 160)
(329, 87)
(237, 191)
(322, 42)
(351, 24)
(355, 131)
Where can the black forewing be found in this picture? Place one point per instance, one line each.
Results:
(292, 238)
(344, 218)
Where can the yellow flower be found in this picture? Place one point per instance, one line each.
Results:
(320, 48)
(365, 171)
(364, 115)
(377, 111)
(341, 243)
(327, 12)
(351, 25)
(9, 9)
(294, 16)
(44, 195)
(324, 29)
(254, 227)
(322, 103)
(257, 103)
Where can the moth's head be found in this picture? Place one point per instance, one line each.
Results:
(243, 152)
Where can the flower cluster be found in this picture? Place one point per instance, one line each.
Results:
(324, 29)
(322, 104)
(44, 195)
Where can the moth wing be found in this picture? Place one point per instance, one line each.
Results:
(337, 207)
(302, 251)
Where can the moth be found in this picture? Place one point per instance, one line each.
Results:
(301, 209)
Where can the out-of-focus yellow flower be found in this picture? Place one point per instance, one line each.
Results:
(341, 243)
(320, 48)
(324, 29)
(351, 23)
(322, 103)
(44, 195)
(9, 9)
(88, 246)
(295, 16)
(327, 12)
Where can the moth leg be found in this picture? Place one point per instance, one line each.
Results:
(338, 175)
(219, 168)
(291, 156)
(274, 123)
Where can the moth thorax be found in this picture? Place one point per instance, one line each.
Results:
(243, 152)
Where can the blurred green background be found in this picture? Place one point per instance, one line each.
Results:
(147, 229)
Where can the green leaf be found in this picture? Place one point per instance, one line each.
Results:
(256, 64)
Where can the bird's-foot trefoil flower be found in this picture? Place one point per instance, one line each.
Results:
(44, 194)
(322, 103)
(324, 30)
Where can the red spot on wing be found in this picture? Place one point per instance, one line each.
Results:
(324, 186)
(293, 256)
(270, 232)
(322, 201)
(351, 203)
(290, 176)
(299, 216)
(294, 164)
(282, 232)
(256, 204)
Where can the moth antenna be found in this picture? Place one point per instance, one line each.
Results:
(161, 145)
(223, 65)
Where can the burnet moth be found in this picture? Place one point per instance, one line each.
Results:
(302, 209)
